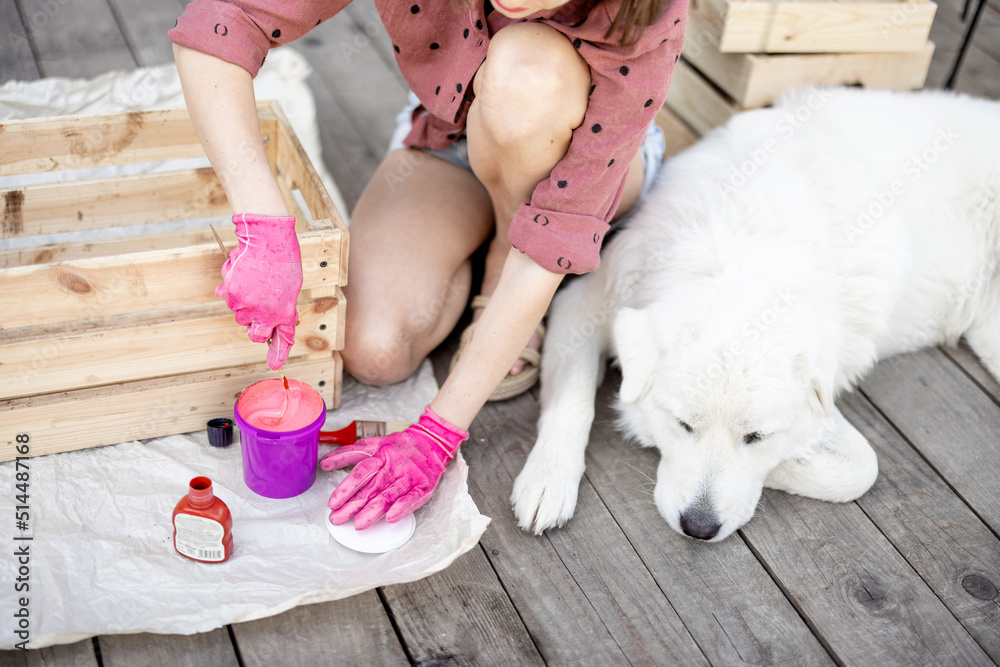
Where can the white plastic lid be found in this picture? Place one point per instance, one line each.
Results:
(377, 538)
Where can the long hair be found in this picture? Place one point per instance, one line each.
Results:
(633, 17)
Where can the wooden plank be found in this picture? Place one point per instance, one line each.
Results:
(206, 649)
(106, 286)
(352, 631)
(365, 89)
(73, 142)
(770, 76)
(676, 134)
(461, 615)
(145, 24)
(294, 170)
(80, 654)
(724, 596)
(938, 535)
(113, 202)
(78, 419)
(970, 363)
(138, 346)
(76, 39)
(851, 584)
(948, 419)
(348, 158)
(696, 101)
(46, 253)
(979, 74)
(367, 20)
(756, 26)
(17, 62)
(755, 80)
(594, 584)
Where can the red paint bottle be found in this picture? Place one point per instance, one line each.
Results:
(203, 526)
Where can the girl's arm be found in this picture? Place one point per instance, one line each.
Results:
(515, 309)
(220, 99)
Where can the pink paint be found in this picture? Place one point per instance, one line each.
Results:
(267, 405)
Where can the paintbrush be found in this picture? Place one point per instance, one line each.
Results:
(218, 239)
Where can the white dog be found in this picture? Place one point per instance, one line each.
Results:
(772, 265)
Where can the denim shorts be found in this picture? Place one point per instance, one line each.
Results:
(458, 153)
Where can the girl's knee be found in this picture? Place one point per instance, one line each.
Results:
(377, 356)
(533, 80)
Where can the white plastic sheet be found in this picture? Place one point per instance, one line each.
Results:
(102, 559)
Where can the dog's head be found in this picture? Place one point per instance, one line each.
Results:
(728, 381)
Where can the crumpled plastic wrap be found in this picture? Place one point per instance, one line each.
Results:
(102, 559)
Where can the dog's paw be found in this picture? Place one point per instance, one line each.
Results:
(544, 494)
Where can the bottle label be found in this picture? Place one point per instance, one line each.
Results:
(370, 429)
(198, 537)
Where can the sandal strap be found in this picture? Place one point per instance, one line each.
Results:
(479, 301)
(532, 357)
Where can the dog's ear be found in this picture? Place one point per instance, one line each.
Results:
(819, 377)
(634, 338)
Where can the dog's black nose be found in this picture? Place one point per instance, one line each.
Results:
(699, 524)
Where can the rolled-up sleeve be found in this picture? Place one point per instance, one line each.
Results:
(562, 228)
(241, 32)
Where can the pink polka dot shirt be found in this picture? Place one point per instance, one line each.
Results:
(439, 48)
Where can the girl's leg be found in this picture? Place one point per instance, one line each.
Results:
(412, 232)
(531, 92)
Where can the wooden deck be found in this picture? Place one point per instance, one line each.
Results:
(907, 575)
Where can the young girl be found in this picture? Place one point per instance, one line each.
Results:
(527, 120)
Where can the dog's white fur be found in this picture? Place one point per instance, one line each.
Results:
(771, 266)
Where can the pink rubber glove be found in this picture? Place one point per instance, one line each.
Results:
(395, 472)
(261, 280)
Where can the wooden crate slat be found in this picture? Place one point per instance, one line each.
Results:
(677, 135)
(756, 80)
(78, 419)
(295, 171)
(696, 102)
(113, 202)
(106, 286)
(139, 346)
(47, 253)
(818, 27)
(96, 140)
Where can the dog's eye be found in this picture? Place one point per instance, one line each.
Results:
(685, 426)
(751, 438)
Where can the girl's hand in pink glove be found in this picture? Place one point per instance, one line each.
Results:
(396, 472)
(261, 280)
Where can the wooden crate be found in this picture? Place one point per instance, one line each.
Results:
(815, 26)
(754, 80)
(696, 101)
(105, 341)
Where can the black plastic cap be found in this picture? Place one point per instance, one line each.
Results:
(220, 432)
